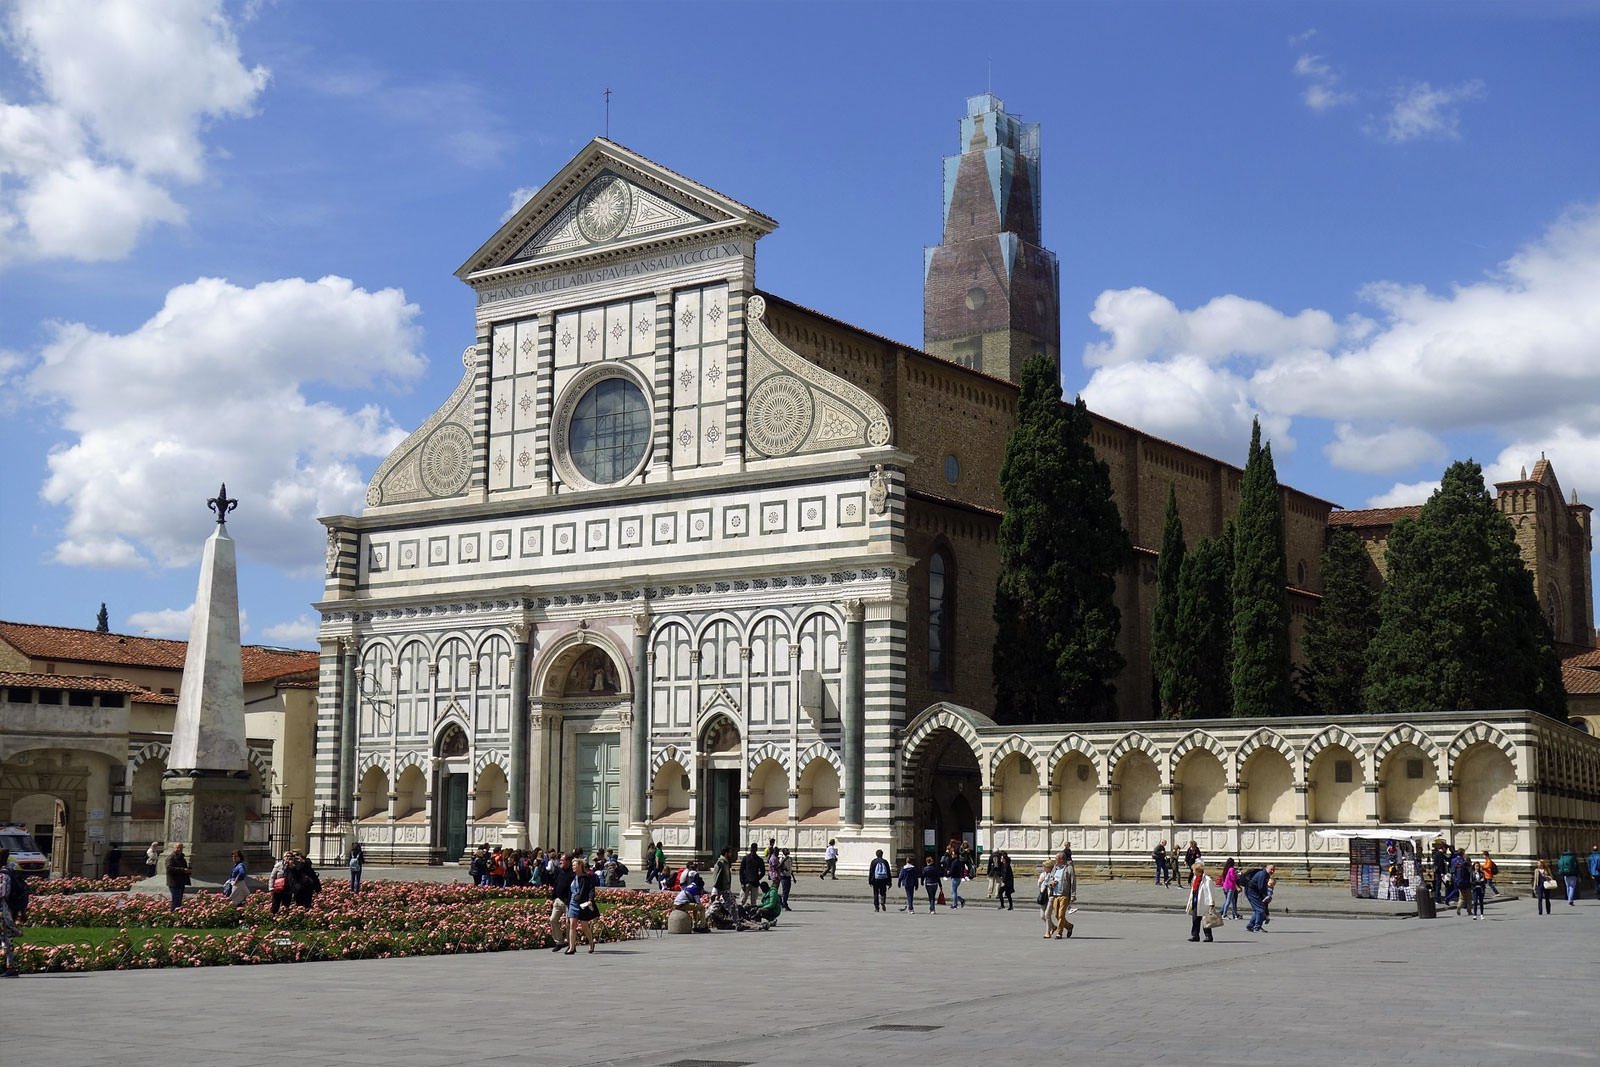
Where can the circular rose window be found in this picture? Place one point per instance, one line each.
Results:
(609, 431)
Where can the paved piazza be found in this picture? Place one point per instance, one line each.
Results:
(1128, 989)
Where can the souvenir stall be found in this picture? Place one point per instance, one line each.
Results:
(1385, 862)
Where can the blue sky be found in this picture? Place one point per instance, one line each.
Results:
(228, 234)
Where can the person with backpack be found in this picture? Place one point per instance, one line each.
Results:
(1567, 868)
(13, 906)
(358, 857)
(1489, 871)
(1258, 891)
(879, 877)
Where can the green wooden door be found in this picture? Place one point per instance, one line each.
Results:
(455, 816)
(598, 804)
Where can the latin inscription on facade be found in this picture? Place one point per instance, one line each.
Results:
(600, 275)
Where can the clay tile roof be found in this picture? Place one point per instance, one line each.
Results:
(1373, 516)
(69, 645)
(150, 696)
(1585, 658)
(1580, 681)
(76, 683)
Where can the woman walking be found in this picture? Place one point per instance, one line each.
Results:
(581, 907)
(932, 874)
(1047, 878)
(1201, 903)
(358, 858)
(237, 887)
(1230, 889)
(1008, 881)
(1543, 886)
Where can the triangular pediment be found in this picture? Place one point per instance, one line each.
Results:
(608, 199)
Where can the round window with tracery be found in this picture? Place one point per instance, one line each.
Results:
(609, 431)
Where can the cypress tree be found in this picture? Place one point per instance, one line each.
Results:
(102, 621)
(1459, 623)
(1202, 660)
(1061, 546)
(1336, 637)
(1260, 606)
(1165, 636)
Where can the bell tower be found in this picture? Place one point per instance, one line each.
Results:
(991, 291)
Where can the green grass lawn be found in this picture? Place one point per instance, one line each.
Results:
(96, 935)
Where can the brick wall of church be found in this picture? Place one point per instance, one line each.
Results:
(969, 538)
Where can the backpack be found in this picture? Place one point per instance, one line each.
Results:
(17, 897)
(1249, 876)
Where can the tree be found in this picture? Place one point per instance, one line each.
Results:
(1260, 607)
(1337, 636)
(102, 621)
(1459, 623)
(1202, 662)
(1061, 546)
(1164, 633)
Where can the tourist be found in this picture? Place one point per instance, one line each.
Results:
(1543, 886)
(1461, 880)
(750, 870)
(879, 877)
(722, 882)
(774, 860)
(237, 887)
(1201, 902)
(582, 908)
(1567, 868)
(1159, 856)
(932, 873)
(786, 877)
(1258, 891)
(1008, 880)
(1047, 878)
(991, 871)
(560, 897)
(909, 877)
(1063, 883)
(278, 883)
(304, 885)
(358, 856)
(661, 864)
(771, 905)
(9, 919)
(152, 856)
(1230, 889)
(177, 875)
(955, 869)
(1489, 871)
(830, 860)
(1594, 870)
(1479, 880)
(1191, 856)
(688, 901)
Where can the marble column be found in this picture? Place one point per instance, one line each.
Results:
(639, 730)
(855, 729)
(349, 695)
(534, 777)
(517, 800)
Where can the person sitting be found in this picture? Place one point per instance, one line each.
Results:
(771, 905)
(688, 900)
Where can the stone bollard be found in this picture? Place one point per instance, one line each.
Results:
(678, 922)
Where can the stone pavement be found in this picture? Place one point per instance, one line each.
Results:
(836, 983)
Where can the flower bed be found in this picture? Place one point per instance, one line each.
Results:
(386, 919)
(42, 887)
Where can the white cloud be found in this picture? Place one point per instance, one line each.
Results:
(124, 90)
(1378, 451)
(1512, 354)
(456, 118)
(301, 632)
(172, 622)
(214, 388)
(1404, 494)
(1419, 110)
(519, 196)
(1322, 90)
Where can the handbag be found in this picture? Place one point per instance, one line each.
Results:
(1213, 918)
(1044, 897)
(279, 884)
(1549, 884)
(590, 909)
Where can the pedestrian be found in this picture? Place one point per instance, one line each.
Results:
(1230, 889)
(1159, 856)
(878, 877)
(10, 920)
(1046, 879)
(1461, 881)
(1258, 892)
(932, 873)
(237, 887)
(1594, 870)
(1191, 856)
(722, 883)
(1479, 881)
(955, 869)
(1202, 906)
(1489, 871)
(786, 878)
(774, 866)
(278, 883)
(1543, 886)
(582, 908)
(1008, 881)
(909, 876)
(177, 875)
(991, 871)
(830, 860)
(688, 901)
(560, 897)
(358, 856)
(750, 871)
(1567, 868)
(1063, 883)
(304, 884)
(152, 856)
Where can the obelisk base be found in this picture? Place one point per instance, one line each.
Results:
(205, 814)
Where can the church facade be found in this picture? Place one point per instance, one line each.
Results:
(681, 560)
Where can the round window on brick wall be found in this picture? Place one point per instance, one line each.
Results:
(952, 469)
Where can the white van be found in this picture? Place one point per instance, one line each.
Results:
(25, 854)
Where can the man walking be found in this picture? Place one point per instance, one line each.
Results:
(1567, 868)
(1159, 856)
(1063, 883)
(1594, 869)
(830, 860)
(786, 878)
(955, 869)
(750, 871)
(1256, 892)
(722, 882)
(878, 877)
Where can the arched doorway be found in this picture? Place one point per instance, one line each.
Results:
(452, 749)
(720, 759)
(946, 789)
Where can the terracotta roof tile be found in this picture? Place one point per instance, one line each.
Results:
(74, 682)
(1586, 658)
(150, 696)
(1372, 516)
(1579, 681)
(68, 645)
